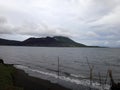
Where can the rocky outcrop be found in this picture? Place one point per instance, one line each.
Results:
(1, 61)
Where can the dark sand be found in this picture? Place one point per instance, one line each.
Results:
(21, 79)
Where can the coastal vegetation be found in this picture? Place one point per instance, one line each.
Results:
(6, 77)
(15, 79)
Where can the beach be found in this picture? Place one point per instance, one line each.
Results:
(16, 79)
(21, 79)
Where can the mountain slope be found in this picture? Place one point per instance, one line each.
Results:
(56, 41)
(68, 41)
(9, 42)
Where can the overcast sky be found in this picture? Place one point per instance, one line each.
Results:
(91, 22)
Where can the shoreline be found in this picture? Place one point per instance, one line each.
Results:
(12, 78)
(22, 79)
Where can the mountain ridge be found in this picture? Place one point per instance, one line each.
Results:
(56, 41)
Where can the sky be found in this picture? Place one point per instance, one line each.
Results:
(91, 22)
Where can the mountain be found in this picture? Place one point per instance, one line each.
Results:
(9, 42)
(56, 41)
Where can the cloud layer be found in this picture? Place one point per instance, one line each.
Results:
(92, 22)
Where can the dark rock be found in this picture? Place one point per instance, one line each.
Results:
(1, 61)
(115, 86)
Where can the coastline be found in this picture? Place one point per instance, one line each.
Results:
(22, 79)
(19, 80)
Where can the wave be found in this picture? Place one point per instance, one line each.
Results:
(83, 82)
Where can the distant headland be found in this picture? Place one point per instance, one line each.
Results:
(56, 41)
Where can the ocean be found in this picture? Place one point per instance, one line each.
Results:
(73, 69)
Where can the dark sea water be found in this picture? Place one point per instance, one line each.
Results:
(42, 62)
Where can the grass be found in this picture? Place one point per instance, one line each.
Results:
(6, 77)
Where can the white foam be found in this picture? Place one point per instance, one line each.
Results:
(77, 76)
(21, 67)
(83, 82)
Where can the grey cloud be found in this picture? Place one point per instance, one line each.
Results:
(33, 29)
(5, 28)
(2, 20)
(42, 30)
(93, 22)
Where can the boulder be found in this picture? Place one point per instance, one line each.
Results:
(1, 61)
